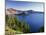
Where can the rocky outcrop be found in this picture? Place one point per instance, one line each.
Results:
(10, 11)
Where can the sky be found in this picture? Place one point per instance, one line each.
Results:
(23, 5)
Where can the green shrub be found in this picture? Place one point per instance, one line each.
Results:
(14, 23)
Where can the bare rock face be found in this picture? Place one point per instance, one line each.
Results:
(10, 11)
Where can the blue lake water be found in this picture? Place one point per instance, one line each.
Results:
(35, 20)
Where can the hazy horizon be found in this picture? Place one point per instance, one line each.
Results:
(21, 5)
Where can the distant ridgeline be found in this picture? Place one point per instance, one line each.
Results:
(27, 12)
(19, 12)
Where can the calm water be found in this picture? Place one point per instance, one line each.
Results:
(35, 20)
